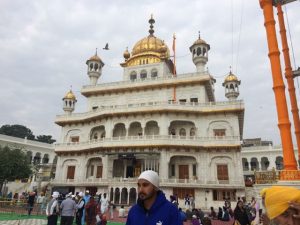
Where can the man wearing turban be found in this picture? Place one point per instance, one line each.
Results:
(152, 206)
(283, 205)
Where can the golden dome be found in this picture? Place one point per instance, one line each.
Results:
(148, 50)
(95, 58)
(149, 45)
(231, 77)
(70, 95)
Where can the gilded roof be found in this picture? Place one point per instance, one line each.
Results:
(231, 77)
(70, 95)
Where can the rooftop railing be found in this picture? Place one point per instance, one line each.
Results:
(147, 80)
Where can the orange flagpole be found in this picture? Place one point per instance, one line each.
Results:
(284, 124)
(174, 65)
(289, 76)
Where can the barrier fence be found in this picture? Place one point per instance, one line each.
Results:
(20, 207)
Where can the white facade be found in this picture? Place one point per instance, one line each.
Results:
(40, 154)
(190, 139)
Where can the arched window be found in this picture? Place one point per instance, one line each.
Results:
(198, 51)
(194, 51)
(182, 132)
(133, 75)
(192, 132)
(143, 74)
(96, 66)
(204, 51)
(154, 73)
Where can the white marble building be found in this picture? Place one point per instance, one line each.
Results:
(153, 119)
(40, 154)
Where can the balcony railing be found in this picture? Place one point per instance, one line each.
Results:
(146, 106)
(147, 80)
(150, 140)
(133, 181)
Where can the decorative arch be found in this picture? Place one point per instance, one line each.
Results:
(264, 163)
(254, 164)
(45, 159)
(132, 196)
(117, 196)
(73, 135)
(37, 158)
(245, 164)
(151, 128)
(135, 129)
(94, 167)
(176, 127)
(119, 130)
(124, 196)
(97, 132)
(215, 128)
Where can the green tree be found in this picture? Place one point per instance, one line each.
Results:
(45, 138)
(13, 165)
(17, 130)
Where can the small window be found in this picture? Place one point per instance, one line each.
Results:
(182, 101)
(194, 99)
(153, 73)
(133, 75)
(219, 132)
(75, 139)
(95, 107)
(143, 74)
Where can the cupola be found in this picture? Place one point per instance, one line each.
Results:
(69, 102)
(199, 51)
(95, 65)
(231, 84)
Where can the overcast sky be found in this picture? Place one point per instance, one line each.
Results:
(44, 46)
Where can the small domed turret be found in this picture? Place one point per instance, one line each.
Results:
(231, 84)
(199, 51)
(69, 102)
(95, 65)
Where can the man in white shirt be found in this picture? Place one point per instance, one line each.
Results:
(104, 203)
(52, 209)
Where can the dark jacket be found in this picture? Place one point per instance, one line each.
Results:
(241, 216)
(161, 211)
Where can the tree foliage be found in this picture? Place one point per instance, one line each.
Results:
(13, 165)
(21, 131)
(45, 138)
(17, 130)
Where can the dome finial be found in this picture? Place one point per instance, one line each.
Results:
(199, 34)
(96, 51)
(230, 71)
(151, 21)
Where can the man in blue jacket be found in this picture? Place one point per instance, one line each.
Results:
(152, 207)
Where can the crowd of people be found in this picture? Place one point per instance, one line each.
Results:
(82, 207)
(280, 206)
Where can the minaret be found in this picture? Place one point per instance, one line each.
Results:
(199, 52)
(95, 65)
(69, 102)
(231, 84)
